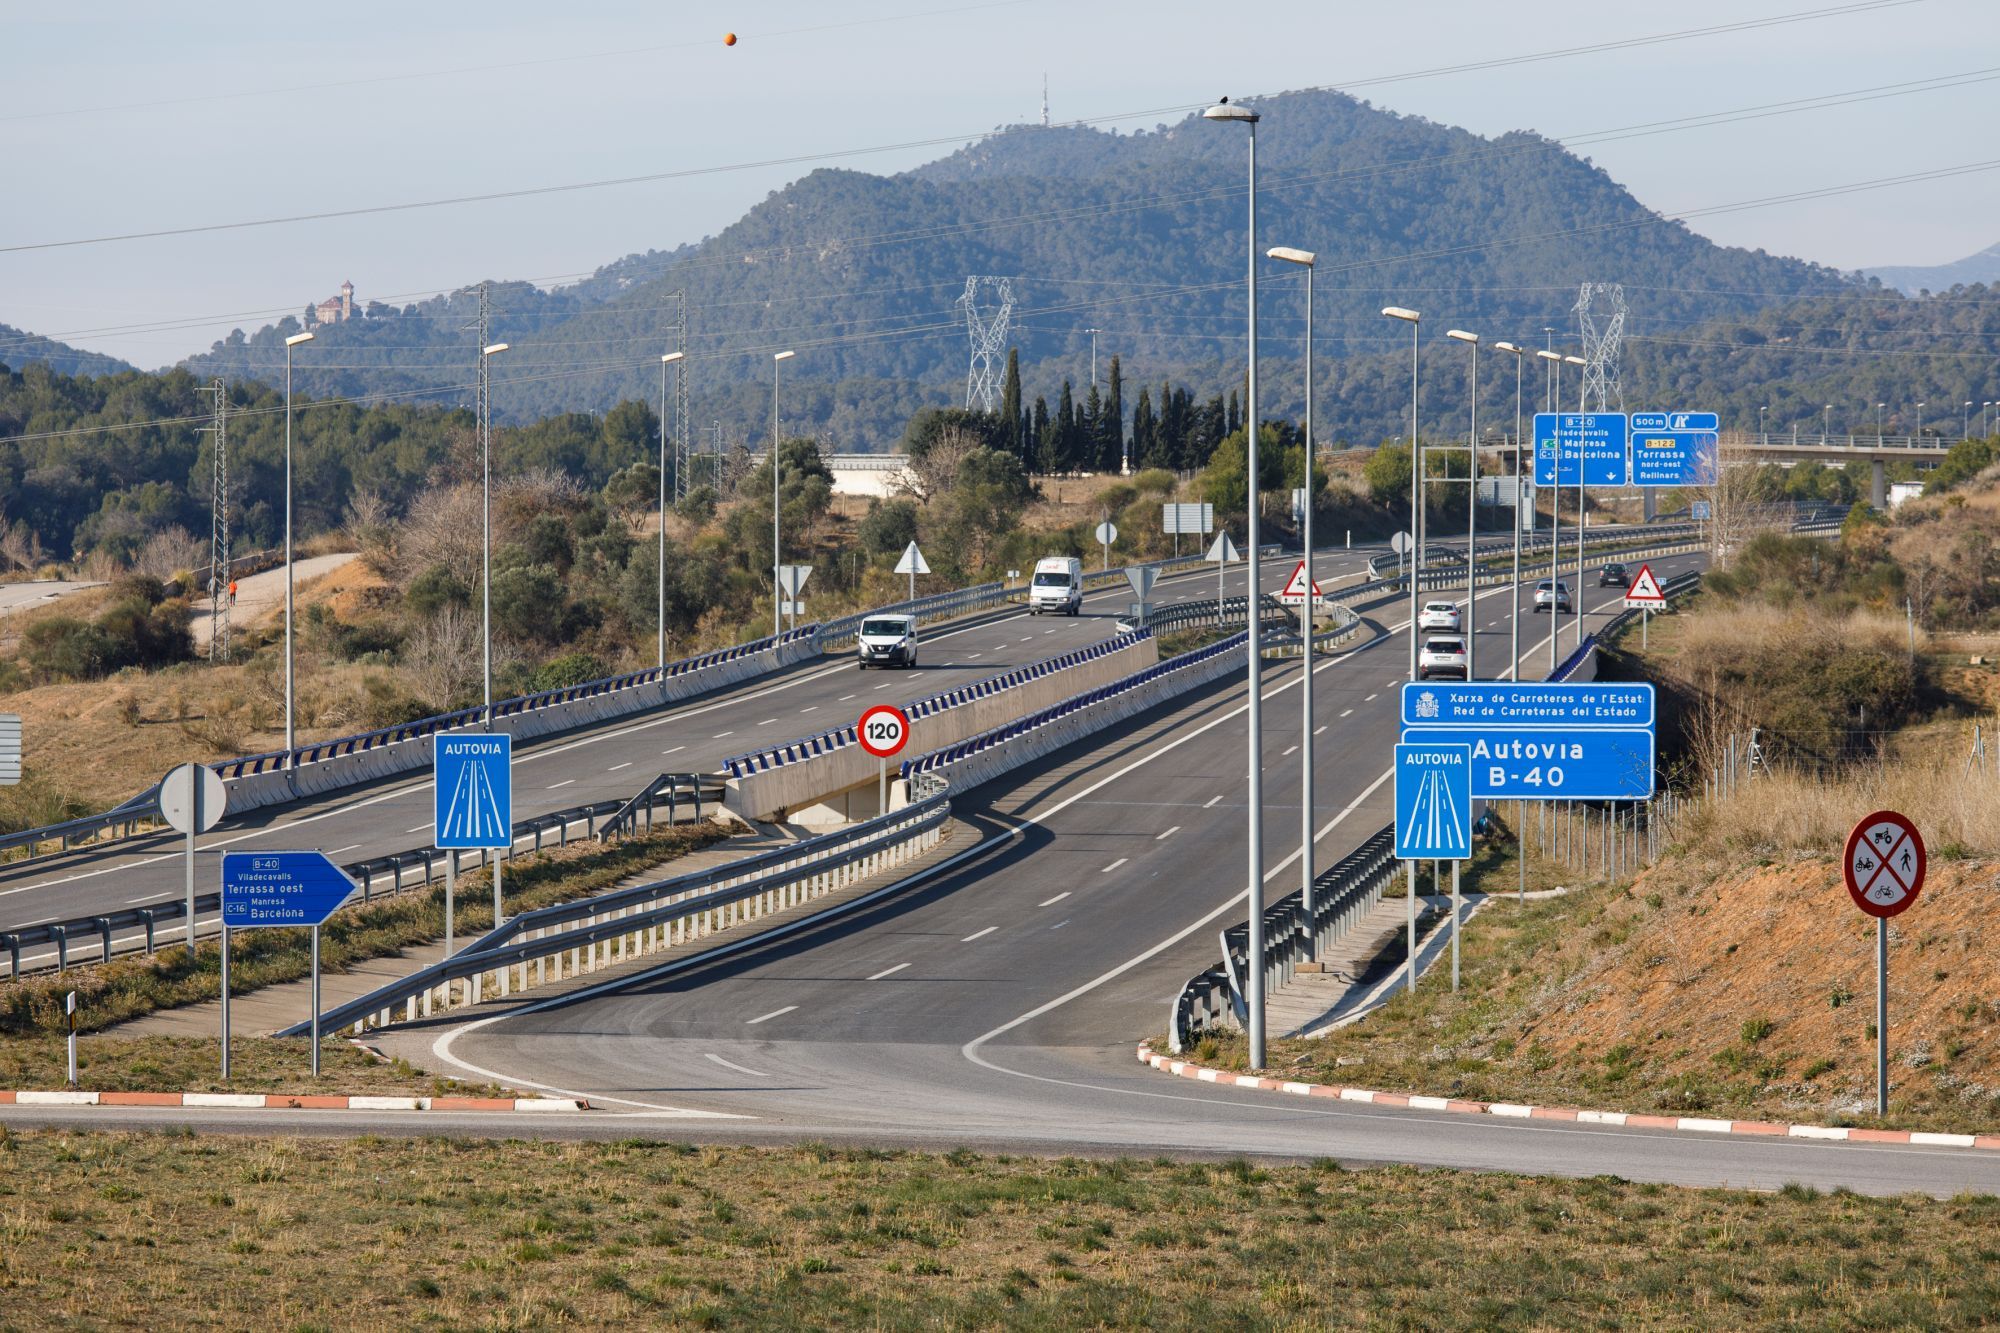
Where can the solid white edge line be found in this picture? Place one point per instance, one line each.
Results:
(731, 1064)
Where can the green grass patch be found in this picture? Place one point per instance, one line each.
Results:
(130, 987)
(417, 1232)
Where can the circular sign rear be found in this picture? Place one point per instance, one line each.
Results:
(1884, 863)
(883, 731)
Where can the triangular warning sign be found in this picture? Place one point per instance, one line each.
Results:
(1222, 551)
(1645, 591)
(1295, 587)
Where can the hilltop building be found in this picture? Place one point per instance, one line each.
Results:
(335, 309)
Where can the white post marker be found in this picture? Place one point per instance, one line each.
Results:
(913, 564)
(193, 800)
(883, 732)
(69, 1016)
(1884, 867)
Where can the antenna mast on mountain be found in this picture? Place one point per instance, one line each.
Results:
(1045, 101)
(1600, 318)
(218, 523)
(683, 454)
(989, 339)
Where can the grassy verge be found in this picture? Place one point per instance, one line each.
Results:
(400, 1233)
(192, 1064)
(127, 988)
(1620, 996)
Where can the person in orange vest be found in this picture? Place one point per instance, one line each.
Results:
(232, 592)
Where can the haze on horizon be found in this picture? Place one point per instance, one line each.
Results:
(127, 118)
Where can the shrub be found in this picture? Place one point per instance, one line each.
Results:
(569, 669)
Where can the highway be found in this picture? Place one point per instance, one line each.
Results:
(997, 1005)
(607, 762)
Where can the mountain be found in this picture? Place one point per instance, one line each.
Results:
(1983, 267)
(1139, 235)
(20, 348)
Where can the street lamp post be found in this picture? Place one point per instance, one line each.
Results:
(1552, 361)
(1415, 321)
(1920, 423)
(486, 538)
(1825, 423)
(1582, 498)
(1306, 258)
(1760, 425)
(1254, 972)
(777, 551)
(1878, 421)
(668, 360)
(1964, 420)
(1471, 502)
(1520, 360)
(291, 742)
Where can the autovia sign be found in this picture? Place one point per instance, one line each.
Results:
(1541, 741)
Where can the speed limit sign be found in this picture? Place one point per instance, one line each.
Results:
(883, 731)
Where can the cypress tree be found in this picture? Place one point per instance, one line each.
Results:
(1043, 439)
(1111, 425)
(1065, 430)
(1010, 408)
(1145, 441)
(1090, 433)
(1232, 421)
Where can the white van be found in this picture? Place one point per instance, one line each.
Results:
(887, 640)
(1057, 585)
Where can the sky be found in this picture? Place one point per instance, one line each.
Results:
(129, 117)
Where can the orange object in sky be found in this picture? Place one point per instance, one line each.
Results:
(729, 39)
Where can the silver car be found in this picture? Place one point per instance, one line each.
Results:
(1552, 594)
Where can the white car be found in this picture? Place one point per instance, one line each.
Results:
(887, 640)
(1552, 593)
(1443, 655)
(1440, 615)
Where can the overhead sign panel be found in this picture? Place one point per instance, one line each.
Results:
(1673, 448)
(473, 795)
(1433, 802)
(281, 889)
(1591, 444)
(1535, 742)
(1195, 519)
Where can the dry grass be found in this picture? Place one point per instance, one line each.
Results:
(147, 1230)
(193, 1064)
(1788, 813)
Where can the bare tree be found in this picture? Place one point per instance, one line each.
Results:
(1736, 510)
(21, 546)
(169, 552)
(935, 471)
(442, 656)
(442, 528)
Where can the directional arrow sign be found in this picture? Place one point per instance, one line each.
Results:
(281, 889)
(913, 562)
(1141, 578)
(1223, 551)
(1295, 588)
(1645, 593)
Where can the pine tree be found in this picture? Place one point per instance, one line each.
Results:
(1010, 409)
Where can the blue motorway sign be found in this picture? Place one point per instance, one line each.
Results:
(1701, 511)
(1433, 802)
(1673, 448)
(472, 795)
(1539, 742)
(1592, 445)
(280, 889)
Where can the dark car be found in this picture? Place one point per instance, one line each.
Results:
(1614, 576)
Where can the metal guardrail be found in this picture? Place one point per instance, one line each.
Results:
(1342, 895)
(826, 742)
(837, 635)
(681, 789)
(633, 918)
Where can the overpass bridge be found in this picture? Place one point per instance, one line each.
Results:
(1789, 448)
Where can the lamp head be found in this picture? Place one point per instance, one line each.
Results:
(298, 338)
(783, 356)
(1461, 335)
(1224, 111)
(1398, 312)
(671, 357)
(1507, 347)
(1291, 256)
(1575, 361)
(1549, 356)
(493, 349)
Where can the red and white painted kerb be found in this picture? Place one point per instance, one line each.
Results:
(258, 1101)
(1693, 1124)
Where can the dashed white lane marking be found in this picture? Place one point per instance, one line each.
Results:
(1209, 804)
(1318, 729)
(676, 750)
(1346, 712)
(421, 827)
(1048, 631)
(1371, 698)
(775, 1013)
(813, 709)
(1114, 865)
(1168, 834)
(1289, 750)
(731, 1064)
(720, 734)
(767, 721)
(1029, 639)
(844, 698)
(977, 933)
(1053, 901)
(885, 685)
(970, 656)
(348, 848)
(615, 767)
(888, 971)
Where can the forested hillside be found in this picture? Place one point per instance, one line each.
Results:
(1139, 235)
(19, 348)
